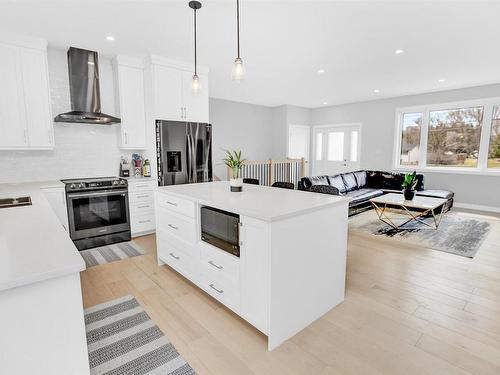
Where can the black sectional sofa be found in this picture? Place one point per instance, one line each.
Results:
(361, 186)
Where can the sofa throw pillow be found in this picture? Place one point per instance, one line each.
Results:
(360, 179)
(337, 182)
(349, 181)
(315, 180)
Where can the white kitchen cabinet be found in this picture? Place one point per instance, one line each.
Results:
(57, 200)
(173, 98)
(129, 79)
(141, 206)
(25, 114)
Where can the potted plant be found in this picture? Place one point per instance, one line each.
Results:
(409, 184)
(234, 161)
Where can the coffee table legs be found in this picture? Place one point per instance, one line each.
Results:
(412, 216)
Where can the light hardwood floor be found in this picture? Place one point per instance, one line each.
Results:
(408, 310)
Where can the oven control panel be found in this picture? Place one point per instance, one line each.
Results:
(97, 184)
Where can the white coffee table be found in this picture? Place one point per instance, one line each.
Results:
(413, 210)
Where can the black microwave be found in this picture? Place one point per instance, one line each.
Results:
(221, 229)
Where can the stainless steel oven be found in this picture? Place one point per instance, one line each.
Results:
(98, 212)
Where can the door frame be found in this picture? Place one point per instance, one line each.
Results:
(312, 153)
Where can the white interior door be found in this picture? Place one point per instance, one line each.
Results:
(298, 143)
(336, 149)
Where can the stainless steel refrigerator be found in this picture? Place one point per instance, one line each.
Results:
(184, 152)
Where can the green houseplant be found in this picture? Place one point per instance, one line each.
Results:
(234, 161)
(409, 183)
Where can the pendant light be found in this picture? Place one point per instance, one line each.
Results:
(238, 73)
(195, 84)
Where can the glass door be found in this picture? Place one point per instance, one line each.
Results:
(336, 149)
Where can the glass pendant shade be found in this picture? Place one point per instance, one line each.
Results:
(196, 84)
(238, 72)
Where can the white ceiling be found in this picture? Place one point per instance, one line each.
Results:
(284, 43)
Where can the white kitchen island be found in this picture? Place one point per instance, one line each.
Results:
(293, 245)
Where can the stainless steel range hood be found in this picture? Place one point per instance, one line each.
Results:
(84, 90)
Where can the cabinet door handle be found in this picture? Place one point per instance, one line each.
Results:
(49, 136)
(175, 257)
(173, 226)
(172, 203)
(220, 291)
(126, 137)
(143, 206)
(142, 196)
(215, 265)
(144, 221)
(25, 136)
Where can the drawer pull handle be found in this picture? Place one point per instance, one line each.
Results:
(144, 221)
(172, 203)
(215, 265)
(175, 257)
(143, 196)
(143, 206)
(217, 290)
(173, 226)
(141, 185)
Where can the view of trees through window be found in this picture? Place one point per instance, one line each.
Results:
(410, 139)
(494, 151)
(454, 137)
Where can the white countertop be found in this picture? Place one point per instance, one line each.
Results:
(33, 244)
(260, 202)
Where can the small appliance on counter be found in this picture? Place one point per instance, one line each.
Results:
(98, 211)
(124, 167)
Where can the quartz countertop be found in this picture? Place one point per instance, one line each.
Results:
(33, 244)
(260, 202)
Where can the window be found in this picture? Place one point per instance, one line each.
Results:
(336, 146)
(454, 136)
(319, 146)
(410, 138)
(461, 136)
(494, 151)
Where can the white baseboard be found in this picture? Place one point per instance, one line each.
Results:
(476, 207)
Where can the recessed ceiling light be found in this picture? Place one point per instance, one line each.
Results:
(441, 80)
(399, 51)
(376, 91)
(321, 71)
(110, 38)
(325, 103)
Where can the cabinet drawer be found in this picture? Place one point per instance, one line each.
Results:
(142, 223)
(135, 186)
(141, 196)
(179, 205)
(138, 208)
(219, 264)
(176, 225)
(224, 291)
(177, 259)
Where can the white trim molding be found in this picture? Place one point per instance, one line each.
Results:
(476, 207)
(482, 166)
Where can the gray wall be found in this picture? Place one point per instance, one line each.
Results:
(239, 126)
(378, 119)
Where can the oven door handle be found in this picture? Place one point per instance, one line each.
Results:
(97, 193)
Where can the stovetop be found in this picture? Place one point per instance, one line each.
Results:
(98, 183)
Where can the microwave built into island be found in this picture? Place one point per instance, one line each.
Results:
(275, 257)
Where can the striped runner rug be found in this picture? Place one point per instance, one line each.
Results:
(122, 339)
(111, 253)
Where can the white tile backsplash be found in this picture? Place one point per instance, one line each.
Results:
(81, 150)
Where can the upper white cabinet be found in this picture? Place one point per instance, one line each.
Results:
(25, 113)
(173, 98)
(129, 84)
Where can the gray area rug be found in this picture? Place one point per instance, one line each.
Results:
(122, 339)
(458, 234)
(111, 253)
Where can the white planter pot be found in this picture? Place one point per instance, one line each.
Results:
(236, 184)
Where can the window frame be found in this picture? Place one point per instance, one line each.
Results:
(484, 144)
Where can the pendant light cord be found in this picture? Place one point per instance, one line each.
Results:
(238, 24)
(195, 55)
